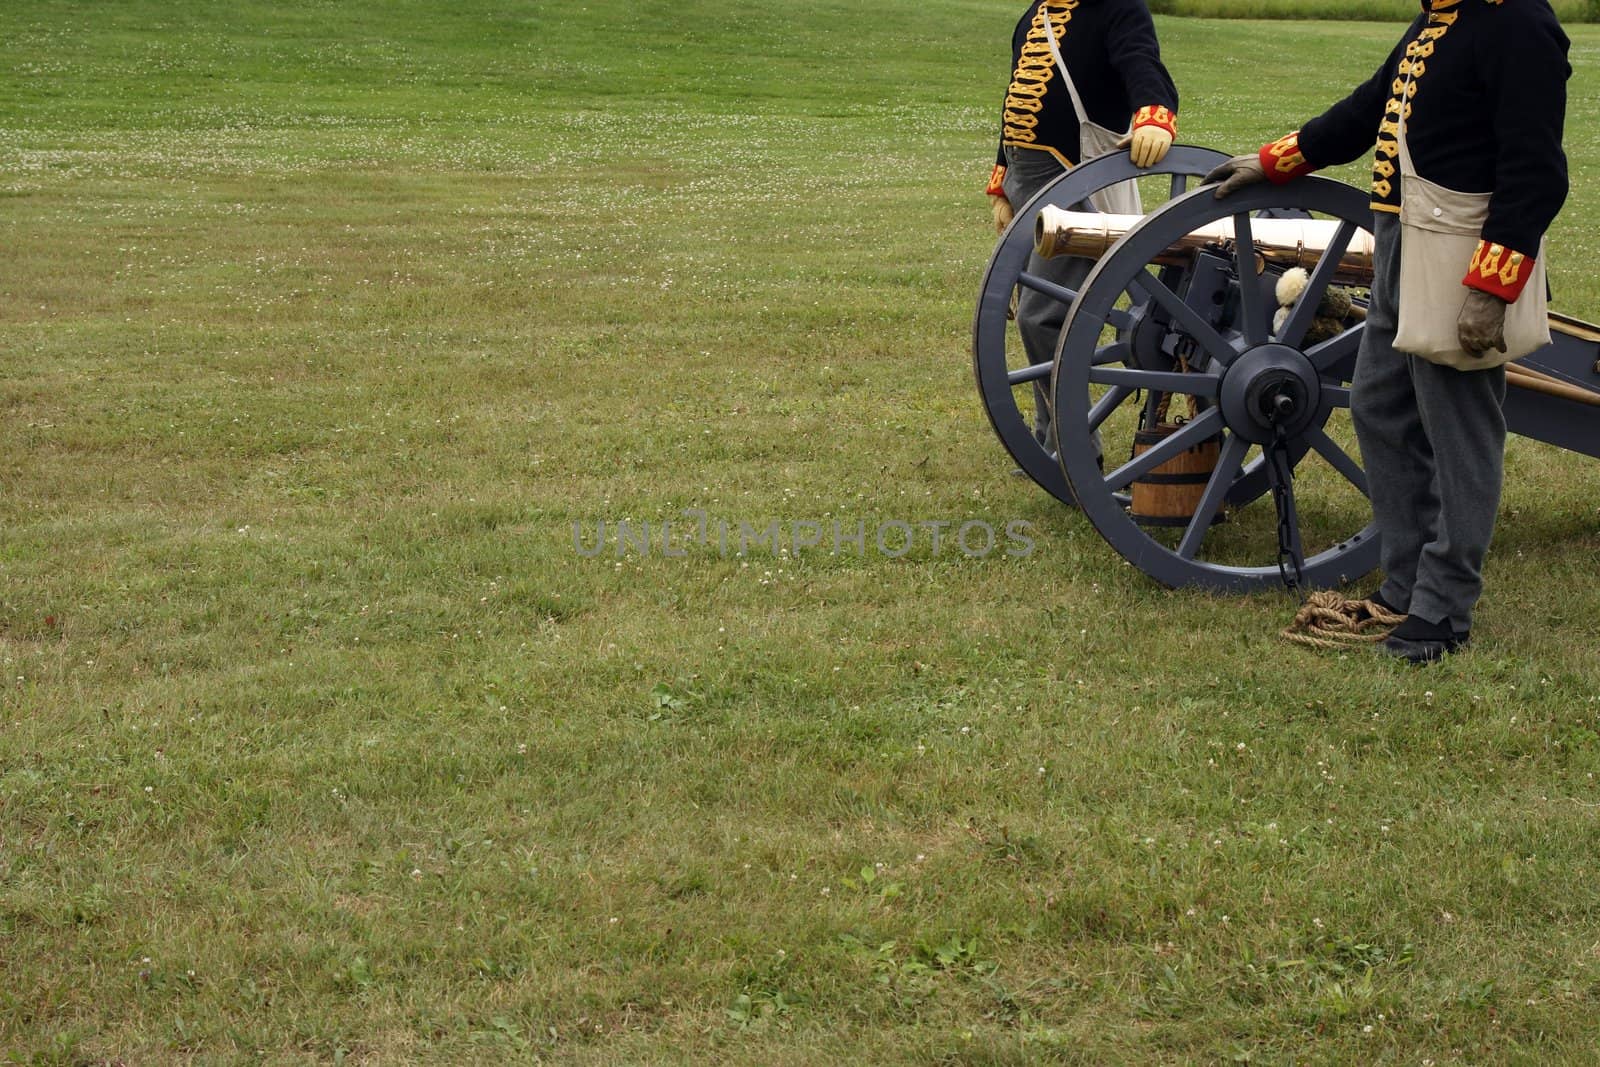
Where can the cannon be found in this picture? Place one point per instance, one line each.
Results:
(1201, 426)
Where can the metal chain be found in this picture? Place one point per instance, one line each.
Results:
(1280, 476)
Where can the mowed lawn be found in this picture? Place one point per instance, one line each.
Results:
(324, 327)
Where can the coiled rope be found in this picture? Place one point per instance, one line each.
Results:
(1329, 620)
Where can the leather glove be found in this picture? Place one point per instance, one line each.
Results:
(1002, 213)
(1482, 324)
(1146, 145)
(1237, 173)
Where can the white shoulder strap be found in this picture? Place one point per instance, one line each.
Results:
(1061, 64)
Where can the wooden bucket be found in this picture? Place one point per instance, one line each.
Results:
(1169, 494)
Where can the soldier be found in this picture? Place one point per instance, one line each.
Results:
(1077, 66)
(1467, 109)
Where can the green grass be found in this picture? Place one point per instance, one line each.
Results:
(1373, 10)
(323, 323)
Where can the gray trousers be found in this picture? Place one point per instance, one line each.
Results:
(1039, 317)
(1433, 444)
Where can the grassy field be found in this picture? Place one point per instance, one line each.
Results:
(1375, 10)
(321, 740)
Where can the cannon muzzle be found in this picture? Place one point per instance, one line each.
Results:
(1282, 242)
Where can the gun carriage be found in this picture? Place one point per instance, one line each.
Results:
(1201, 426)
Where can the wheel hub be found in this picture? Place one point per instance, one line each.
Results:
(1270, 390)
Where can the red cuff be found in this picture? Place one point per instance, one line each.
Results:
(1157, 115)
(1498, 270)
(1283, 161)
(996, 178)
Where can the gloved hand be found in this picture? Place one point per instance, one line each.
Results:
(1237, 173)
(1147, 145)
(1002, 213)
(1482, 323)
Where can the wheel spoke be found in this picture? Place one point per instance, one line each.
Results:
(1328, 354)
(1037, 372)
(1048, 288)
(1061, 294)
(1189, 383)
(1337, 395)
(1180, 185)
(1185, 316)
(1117, 352)
(1229, 462)
(1204, 426)
(1107, 404)
(1338, 458)
(1252, 306)
(1305, 309)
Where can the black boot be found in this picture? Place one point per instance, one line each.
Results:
(1417, 640)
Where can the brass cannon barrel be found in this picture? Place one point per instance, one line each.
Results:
(1283, 242)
